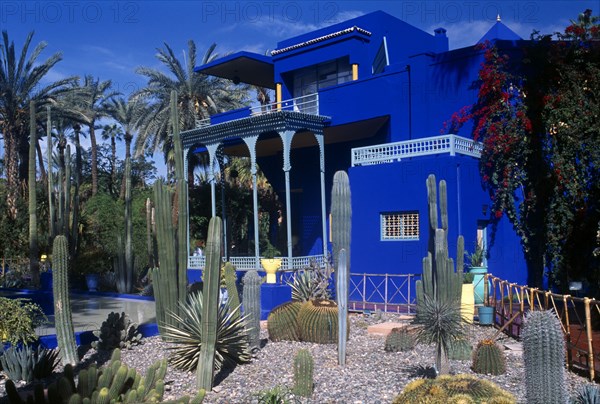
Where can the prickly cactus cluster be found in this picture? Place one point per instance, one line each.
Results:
(544, 356)
(400, 339)
(488, 358)
(117, 331)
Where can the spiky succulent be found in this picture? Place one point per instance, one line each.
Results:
(311, 283)
(26, 363)
(587, 394)
(186, 336)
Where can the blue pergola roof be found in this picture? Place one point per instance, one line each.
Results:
(242, 67)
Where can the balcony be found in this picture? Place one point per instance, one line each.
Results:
(307, 104)
(390, 152)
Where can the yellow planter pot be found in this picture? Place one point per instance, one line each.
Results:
(467, 302)
(271, 265)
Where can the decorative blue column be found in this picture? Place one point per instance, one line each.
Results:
(286, 137)
(251, 143)
(320, 140)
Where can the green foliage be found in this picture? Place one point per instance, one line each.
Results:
(488, 358)
(303, 373)
(460, 349)
(400, 339)
(311, 283)
(587, 394)
(318, 321)
(544, 356)
(230, 278)
(475, 258)
(117, 331)
(186, 336)
(453, 389)
(282, 322)
(115, 382)
(275, 395)
(26, 363)
(18, 320)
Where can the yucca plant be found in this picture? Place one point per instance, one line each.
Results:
(186, 336)
(311, 283)
(441, 324)
(26, 363)
(587, 394)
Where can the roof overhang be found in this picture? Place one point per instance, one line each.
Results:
(242, 67)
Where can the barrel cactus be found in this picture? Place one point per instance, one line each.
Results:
(283, 322)
(400, 339)
(488, 358)
(303, 373)
(318, 321)
(544, 357)
(453, 389)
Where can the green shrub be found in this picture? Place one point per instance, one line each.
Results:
(18, 320)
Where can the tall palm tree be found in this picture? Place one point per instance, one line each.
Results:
(97, 95)
(113, 133)
(199, 96)
(127, 113)
(21, 80)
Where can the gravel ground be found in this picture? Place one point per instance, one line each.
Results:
(371, 375)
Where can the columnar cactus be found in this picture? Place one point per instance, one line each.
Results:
(341, 226)
(488, 358)
(34, 264)
(303, 373)
(210, 304)
(252, 283)
(65, 333)
(170, 281)
(232, 290)
(544, 356)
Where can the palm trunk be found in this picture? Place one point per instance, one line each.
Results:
(12, 173)
(113, 162)
(94, 159)
(41, 162)
(128, 139)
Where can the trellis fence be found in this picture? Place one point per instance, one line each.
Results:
(580, 318)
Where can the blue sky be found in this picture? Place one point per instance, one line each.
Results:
(109, 39)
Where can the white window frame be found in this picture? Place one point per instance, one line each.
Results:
(399, 230)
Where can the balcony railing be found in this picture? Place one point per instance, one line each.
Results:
(247, 263)
(390, 152)
(308, 104)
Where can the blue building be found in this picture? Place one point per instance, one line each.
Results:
(369, 96)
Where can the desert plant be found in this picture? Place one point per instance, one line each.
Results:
(230, 277)
(18, 320)
(275, 395)
(282, 322)
(34, 256)
(318, 321)
(303, 373)
(439, 290)
(449, 389)
(587, 394)
(460, 349)
(63, 318)
(114, 383)
(544, 357)
(251, 292)
(186, 336)
(440, 323)
(117, 331)
(400, 339)
(27, 363)
(311, 283)
(488, 358)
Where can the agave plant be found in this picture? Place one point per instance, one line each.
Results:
(232, 336)
(312, 283)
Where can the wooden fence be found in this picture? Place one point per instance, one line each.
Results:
(580, 318)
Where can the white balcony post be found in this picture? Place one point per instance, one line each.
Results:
(251, 143)
(321, 142)
(286, 137)
(452, 145)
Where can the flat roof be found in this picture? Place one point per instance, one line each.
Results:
(242, 67)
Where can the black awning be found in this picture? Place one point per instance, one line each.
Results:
(242, 67)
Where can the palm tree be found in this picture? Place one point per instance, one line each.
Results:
(97, 95)
(20, 82)
(127, 113)
(199, 96)
(114, 133)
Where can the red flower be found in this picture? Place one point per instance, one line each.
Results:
(498, 214)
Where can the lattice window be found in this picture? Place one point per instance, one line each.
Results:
(400, 226)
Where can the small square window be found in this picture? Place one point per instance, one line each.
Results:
(399, 226)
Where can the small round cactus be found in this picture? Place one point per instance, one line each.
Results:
(488, 358)
(400, 339)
